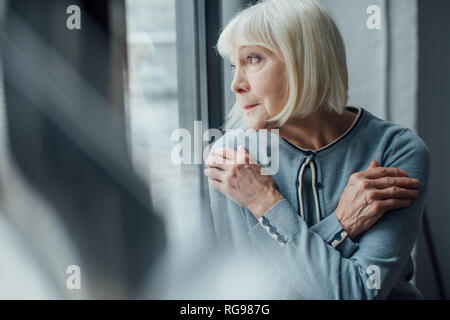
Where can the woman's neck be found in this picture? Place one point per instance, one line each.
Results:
(318, 129)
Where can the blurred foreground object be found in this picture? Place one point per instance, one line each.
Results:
(68, 184)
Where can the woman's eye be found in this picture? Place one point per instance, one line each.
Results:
(253, 59)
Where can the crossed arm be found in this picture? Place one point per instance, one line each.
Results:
(305, 257)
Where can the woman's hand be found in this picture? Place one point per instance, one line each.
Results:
(238, 176)
(370, 193)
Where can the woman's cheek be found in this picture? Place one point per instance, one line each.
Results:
(263, 86)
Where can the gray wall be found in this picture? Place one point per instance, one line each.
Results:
(382, 63)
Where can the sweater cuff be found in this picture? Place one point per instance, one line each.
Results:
(328, 229)
(347, 247)
(280, 222)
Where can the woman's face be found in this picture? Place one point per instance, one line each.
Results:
(259, 84)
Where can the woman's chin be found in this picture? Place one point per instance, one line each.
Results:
(257, 120)
(256, 124)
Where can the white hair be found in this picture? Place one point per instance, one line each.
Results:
(305, 37)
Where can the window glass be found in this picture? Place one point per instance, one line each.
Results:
(153, 114)
(153, 105)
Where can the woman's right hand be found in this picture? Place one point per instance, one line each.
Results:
(370, 194)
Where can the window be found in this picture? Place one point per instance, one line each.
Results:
(154, 112)
(153, 106)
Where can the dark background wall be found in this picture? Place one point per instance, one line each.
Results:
(433, 126)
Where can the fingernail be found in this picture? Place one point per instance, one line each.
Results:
(205, 172)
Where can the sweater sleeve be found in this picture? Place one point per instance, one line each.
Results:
(318, 271)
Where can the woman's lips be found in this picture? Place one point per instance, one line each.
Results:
(250, 106)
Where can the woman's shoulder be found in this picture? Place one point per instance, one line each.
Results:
(409, 149)
(394, 137)
(400, 146)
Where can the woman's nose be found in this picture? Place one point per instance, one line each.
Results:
(240, 83)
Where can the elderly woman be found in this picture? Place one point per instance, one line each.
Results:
(339, 218)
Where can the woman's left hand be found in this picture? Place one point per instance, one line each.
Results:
(238, 176)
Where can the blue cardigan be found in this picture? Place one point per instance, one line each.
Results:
(300, 237)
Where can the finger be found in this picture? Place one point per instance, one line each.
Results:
(387, 182)
(226, 153)
(373, 164)
(379, 172)
(218, 162)
(243, 157)
(215, 174)
(393, 204)
(249, 157)
(394, 193)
